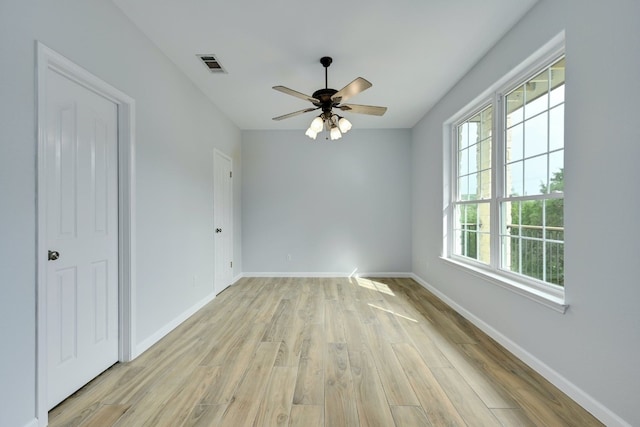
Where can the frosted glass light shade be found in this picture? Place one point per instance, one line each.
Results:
(311, 133)
(344, 125)
(317, 124)
(335, 133)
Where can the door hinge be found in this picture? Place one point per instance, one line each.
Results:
(230, 174)
(231, 264)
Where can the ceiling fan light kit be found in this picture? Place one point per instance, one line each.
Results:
(327, 99)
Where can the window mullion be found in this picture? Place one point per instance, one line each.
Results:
(497, 179)
(453, 190)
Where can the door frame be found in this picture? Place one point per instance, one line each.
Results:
(217, 152)
(48, 60)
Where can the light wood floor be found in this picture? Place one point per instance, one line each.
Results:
(322, 352)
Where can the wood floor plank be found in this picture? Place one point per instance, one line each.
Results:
(449, 327)
(394, 380)
(74, 416)
(334, 321)
(309, 389)
(106, 416)
(438, 407)
(205, 416)
(329, 288)
(429, 350)
(389, 324)
(364, 290)
(409, 416)
(176, 410)
(365, 312)
(307, 416)
(246, 401)
(336, 351)
(550, 412)
(279, 322)
(225, 335)
(83, 404)
(311, 307)
(340, 403)
(233, 368)
(147, 406)
(466, 401)
(275, 408)
(346, 293)
(369, 290)
(136, 387)
(481, 373)
(292, 336)
(354, 330)
(265, 304)
(512, 417)
(371, 401)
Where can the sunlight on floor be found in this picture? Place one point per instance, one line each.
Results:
(373, 285)
(392, 312)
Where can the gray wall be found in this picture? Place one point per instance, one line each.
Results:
(334, 206)
(177, 130)
(595, 345)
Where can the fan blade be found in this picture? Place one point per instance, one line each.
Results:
(363, 109)
(351, 90)
(296, 113)
(296, 94)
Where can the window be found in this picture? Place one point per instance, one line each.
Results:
(506, 210)
(472, 224)
(532, 209)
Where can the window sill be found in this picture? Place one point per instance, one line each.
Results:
(548, 299)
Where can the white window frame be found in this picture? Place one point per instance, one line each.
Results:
(547, 294)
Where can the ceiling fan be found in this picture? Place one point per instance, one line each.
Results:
(327, 99)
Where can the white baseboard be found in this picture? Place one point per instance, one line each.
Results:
(585, 400)
(162, 332)
(386, 275)
(34, 423)
(235, 279)
(325, 274)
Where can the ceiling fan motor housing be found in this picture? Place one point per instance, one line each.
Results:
(324, 96)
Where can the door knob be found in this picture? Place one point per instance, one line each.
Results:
(54, 255)
(218, 230)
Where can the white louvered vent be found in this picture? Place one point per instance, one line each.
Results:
(212, 63)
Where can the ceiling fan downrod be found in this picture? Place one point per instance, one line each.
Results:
(326, 61)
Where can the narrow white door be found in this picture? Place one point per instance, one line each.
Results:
(82, 236)
(222, 219)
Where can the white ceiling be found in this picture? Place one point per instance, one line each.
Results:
(413, 51)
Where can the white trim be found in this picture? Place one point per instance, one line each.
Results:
(325, 274)
(585, 400)
(127, 227)
(162, 332)
(32, 423)
(47, 59)
(236, 278)
(222, 154)
(549, 300)
(546, 294)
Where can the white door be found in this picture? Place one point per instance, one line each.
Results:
(222, 220)
(82, 233)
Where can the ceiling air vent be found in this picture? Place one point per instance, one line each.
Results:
(211, 63)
